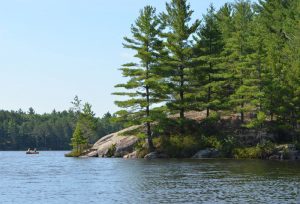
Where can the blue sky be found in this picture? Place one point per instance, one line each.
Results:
(52, 50)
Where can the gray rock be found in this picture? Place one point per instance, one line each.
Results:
(123, 143)
(125, 146)
(93, 154)
(293, 155)
(132, 155)
(156, 155)
(207, 153)
(275, 157)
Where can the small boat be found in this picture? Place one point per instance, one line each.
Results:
(29, 151)
(32, 152)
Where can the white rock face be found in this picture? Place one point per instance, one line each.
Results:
(124, 144)
(132, 155)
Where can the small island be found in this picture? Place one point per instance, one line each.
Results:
(132, 101)
(225, 86)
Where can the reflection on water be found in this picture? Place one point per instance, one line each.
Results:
(52, 178)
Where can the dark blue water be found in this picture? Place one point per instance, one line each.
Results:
(52, 178)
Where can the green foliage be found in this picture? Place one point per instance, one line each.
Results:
(262, 151)
(246, 153)
(20, 130)
(88, 123)
(176, 65)
(242, 60)
(142, 148)
(111, 151)
(143, 88)
(209, 74)
(212, 142)
(228, 145)
(73, 154)
(258, 121)
(178, 146)
(78, 141)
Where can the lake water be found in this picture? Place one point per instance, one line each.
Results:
(51, 178)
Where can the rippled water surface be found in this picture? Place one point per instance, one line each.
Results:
(52, 178)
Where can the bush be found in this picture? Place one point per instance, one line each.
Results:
(211, 142)
(266, 149)
(262, 151)
(73, 154)
(246, 153)
(228, 145)
(177, 146)
(141, 148)
(111, 151)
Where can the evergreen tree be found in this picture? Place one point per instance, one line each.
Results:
(78, 141)
(143, 78)
(244, 80)
(177, 64)
(88, 123)
(210, 74)
(277, 17)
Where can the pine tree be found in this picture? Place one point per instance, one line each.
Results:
(293, 75)
(143, 78)
(78, 141)
(278, 17)
(210, 75)
(177, 64)
(244, 74)
(88, 122)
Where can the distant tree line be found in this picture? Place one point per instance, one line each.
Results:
(242, 59)
(20, 130)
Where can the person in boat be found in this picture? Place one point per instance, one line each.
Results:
(34, 150)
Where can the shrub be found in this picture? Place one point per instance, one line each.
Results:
(246, 153)
(228, 145)
(141, 148)
(177, 146)
(111, 151)
(211, 142)
(73, 154)
(266, 149)
(263, 151)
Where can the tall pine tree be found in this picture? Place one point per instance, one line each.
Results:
(244, 78)
(210, 74)
(177, 64)
(143, 79)
(278, 18)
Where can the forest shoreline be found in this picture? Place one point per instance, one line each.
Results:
(252, 143)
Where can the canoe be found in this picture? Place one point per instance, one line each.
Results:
(32, 152)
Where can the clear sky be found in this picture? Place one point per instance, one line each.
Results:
(52, 50)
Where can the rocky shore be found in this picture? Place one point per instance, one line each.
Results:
(123, 144)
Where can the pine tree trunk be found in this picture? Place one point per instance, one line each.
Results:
(181, 100)
(209, 88)
(149, 132)
(148, 124)
(208, 94)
